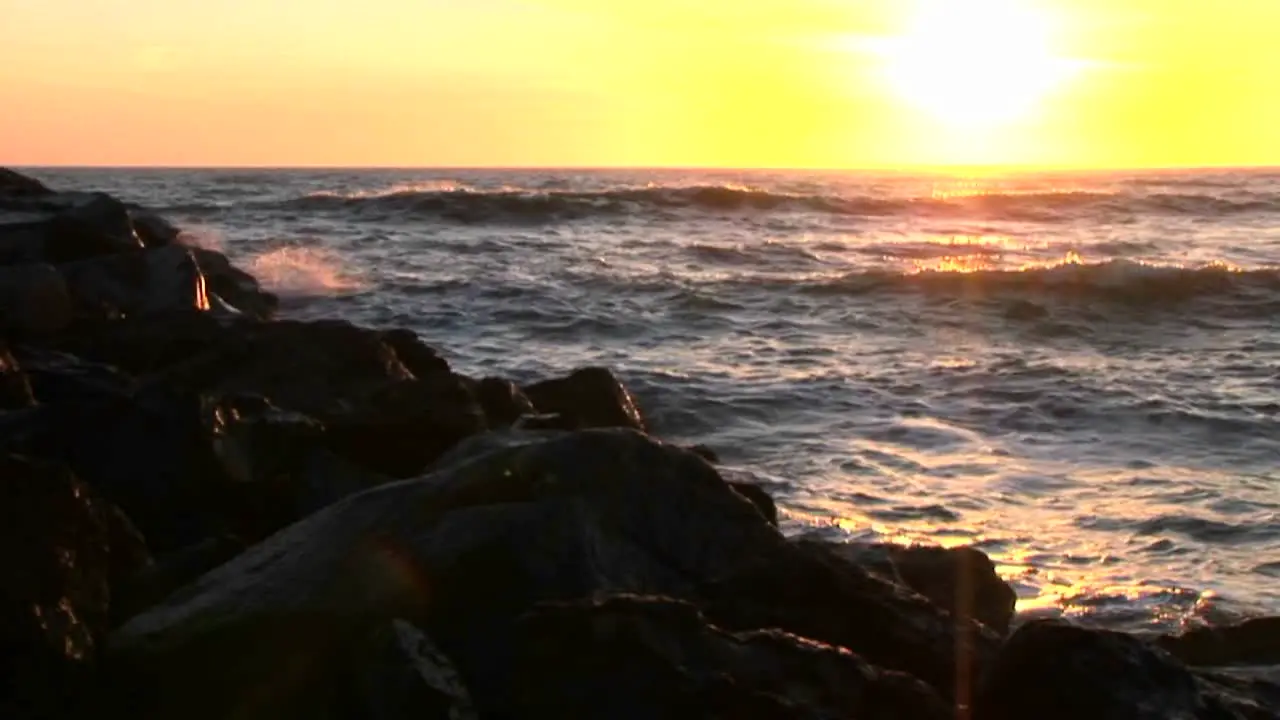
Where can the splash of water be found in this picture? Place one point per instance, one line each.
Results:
(303, 272)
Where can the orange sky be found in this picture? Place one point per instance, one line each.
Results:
(790, 83)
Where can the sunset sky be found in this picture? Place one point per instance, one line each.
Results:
(741, 83)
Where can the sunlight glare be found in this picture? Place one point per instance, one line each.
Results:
(974, 63)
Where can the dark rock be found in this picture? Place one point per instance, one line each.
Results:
(1052, 670)
(467, 550)
(15, 184)
(34, 299)
(402, 674)
(64, 550)
(64, 227)
(544, 422)
(962, 580)
(15, 388)
(158, 281)
(758, 497)
(634, 657)
(58, 378)
(170, 572)
(592, 397)
(163, 343)
(809, 590)
(1253, 642)
(420, 359)
(236, 287)
(503, 402)
(153, 230)
(705, 453)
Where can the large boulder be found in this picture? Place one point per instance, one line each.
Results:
(591, 398)
(466, 551)
(164, 280)
(34, 300)
(641, 658)
(1252, 642)
(15, 387)
(234, 286)
(503, 401)
(1056, 671)
(64, 551)
(809, 589)
(962, 580)
(15, 184)
(64, 227)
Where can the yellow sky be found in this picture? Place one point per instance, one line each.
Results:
(744, 83)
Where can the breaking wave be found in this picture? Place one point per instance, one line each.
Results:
(465, 204)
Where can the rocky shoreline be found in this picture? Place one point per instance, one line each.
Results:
(211, 513)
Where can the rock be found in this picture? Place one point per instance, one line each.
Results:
(238, 288)
(170, 572)
(467, 550)
(543, 422)
(402, 674)
(810, 590)
(705, 453)
(15, 184)
(402, 429)
(144, 283)
(153, 230)
(64, 227)
(962, 580)
(503, 402)
(420, 359)
(178, 343)
(1253, 642)
(61, 378)
(758, 497)
(592, 397)
(636, 657)
(1056, 671)
(15, 388)
(64, 550)
(34, 299)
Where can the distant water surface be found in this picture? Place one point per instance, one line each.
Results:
(1080, 373)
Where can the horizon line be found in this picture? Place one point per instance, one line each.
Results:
(904, 168)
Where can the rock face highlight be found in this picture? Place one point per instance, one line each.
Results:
(207, 512)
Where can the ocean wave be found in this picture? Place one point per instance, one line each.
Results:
(467, 204)
(1121, 281)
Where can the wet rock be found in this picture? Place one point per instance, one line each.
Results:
(706, 453)
(153, 230)
(64, 550)
(236, 287)
(591, 397)
(758, 497)
(64, 227)
(420, 359)
(503, 402)
(402, 429)
(962, 580)
(15, 184)
(15, 388)
(1053, 670)
(1253, 642)
(34, 299)
(467, 550)
(162, 343)
(811, 591)
(636, 657)
(168, 573)
(404, 675)
(158, 281)
(61, 378)
(543, 422)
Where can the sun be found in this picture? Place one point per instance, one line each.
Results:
(974, 62)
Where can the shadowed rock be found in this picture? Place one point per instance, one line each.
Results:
(635, 657)
(15, 388)
(158, 281)
(465, 551)
(15, 184)
(64, 227)
(236, 287)
(590, 397)
(962, 580)
(1253, 642)
(503, 402)
(34, 299)
(63, 549)
(1056, 671)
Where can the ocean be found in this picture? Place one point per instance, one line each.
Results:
(1078, 373)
